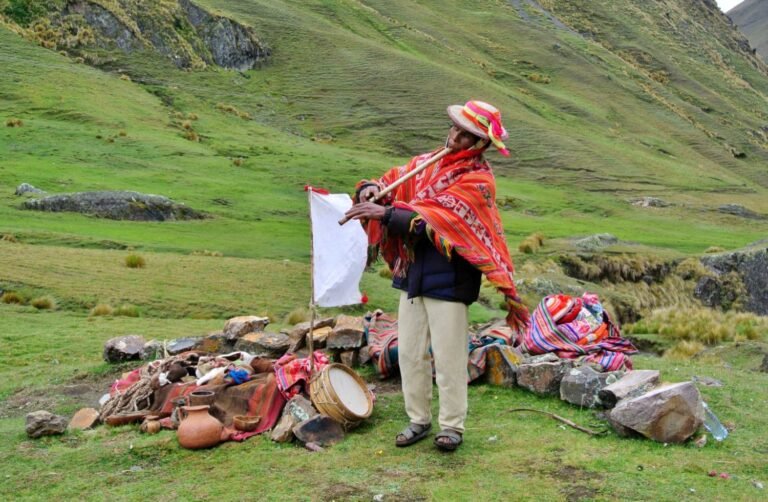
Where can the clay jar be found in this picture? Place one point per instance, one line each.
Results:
(201, 397)
(198, 429)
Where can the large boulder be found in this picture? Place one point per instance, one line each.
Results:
(581, 385)
(667, 414)
(131, 206)
(44, 423)
(751, 264)
(124, 348)
(236, 327)
(543, 378)
(632, 384)
(271, 345)
(501, 365)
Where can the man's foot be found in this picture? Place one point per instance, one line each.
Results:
(412, 434)
(448, 440)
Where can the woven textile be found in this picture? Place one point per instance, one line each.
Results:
(607, 348)
(293, 373)
(456, 197)
(381, 332)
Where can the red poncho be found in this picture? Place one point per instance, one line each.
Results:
(456, 198)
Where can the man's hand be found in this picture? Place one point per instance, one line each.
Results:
(368, 193)
(366, 211)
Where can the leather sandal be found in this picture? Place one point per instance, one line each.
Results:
(448, 440)
(412, 434)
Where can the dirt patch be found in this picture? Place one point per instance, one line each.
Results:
(383, 387)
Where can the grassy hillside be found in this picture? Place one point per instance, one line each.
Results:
(751, 16)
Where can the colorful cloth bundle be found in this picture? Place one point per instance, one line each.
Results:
(602, 345)
(479, 345)
(381, 332)
(293, 373)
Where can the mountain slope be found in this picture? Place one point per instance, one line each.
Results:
(751, 16)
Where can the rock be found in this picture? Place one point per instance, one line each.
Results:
(297, 410)
(581, 385)
(26, 188)
(363, 356)
(501, 365)
(217, 343)
(668, 414)
(85, 418)
(348, 358)
(152, 350)
(123, 348)
(707, 381)
(764, 364)
(751, 264)
(649, 202)
(347, 333)
(632, 384)
(271, 345)
(741, 211)
(320, 430)
(236, 327)
(714, 293)
(43, 423)
(319, 337)
(185, 344)
(595, 242)
(543, 378)
(132, 206)
(549, 357)
(299, 332)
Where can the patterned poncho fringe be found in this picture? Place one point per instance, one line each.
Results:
(456, 199)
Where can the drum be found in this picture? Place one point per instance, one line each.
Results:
(338, 392)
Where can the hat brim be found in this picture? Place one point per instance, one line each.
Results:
(458, 118)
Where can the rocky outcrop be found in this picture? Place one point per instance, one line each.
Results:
(131, 206)
(185, 33)
(751, 265)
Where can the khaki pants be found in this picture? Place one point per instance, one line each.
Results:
(444, 324)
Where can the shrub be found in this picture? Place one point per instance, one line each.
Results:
(532, 243)
(297, 315)
(14, 122)
(714, 249)
(122, 133)
(684, 350)
(12, 297)
(127, 310)
(187, 125)
(238, 161)
(538, 78)
(385, 272)
(44, 303)
(135, 261)
(9, 238)
(101, 309)
(702, 325)
(192, 136)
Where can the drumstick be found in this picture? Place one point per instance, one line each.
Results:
(439, 155)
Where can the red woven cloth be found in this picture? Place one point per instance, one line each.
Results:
(456, 198)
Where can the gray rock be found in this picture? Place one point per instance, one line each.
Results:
(595, 242)
(283, 430)
(752, 266)
(363, 356)
(185, 344)
(632, 384)
(132, 206)
(649, 202)
(217, 343)
(26, 188)
(152, 350)
(238, 326)
(348, 358)
(347, 333)
(668, 414)
(714, 293)
(741, 211)
(298, 333)
(502, 363)
(43, 423)
(320, 430)
(581, 385)
(297, 410)
(271, 345)
(124, 348)
(543, 378)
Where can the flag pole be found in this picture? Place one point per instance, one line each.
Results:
(311, 336)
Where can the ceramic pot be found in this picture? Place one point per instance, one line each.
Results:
(198, 429)
(201, 397)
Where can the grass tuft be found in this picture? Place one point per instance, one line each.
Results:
(714, 249)
(127, 310)
(684, 349)
(10, 297)
(702, 325)
(9, 238)
(532, 243)
(101, 310)
(14, 122)
(296, 316)
(135, 261)
(44, 303)
(206, 252)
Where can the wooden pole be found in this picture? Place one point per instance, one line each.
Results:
(311, 339)
(416, 170)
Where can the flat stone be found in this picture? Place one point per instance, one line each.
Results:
(321, 430)
(217, 343)
(271, 345)
(667, 414)
(319, 336)
(85, 418)
(501, 365)
(543, 378)
(347, 333)
(348, 358)
(43, 423)
(236, 327)
(152, 350)
(296, 410)
(581, 385)
(185, 344)
(632, 384)
(123, 348)
(298, 333)
(282, 432)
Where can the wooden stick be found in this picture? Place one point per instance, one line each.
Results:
(561, 419)
(416, 170)
(311, 339)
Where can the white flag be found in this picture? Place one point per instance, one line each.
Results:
(339, 251)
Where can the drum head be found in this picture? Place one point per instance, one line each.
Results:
(349, 392)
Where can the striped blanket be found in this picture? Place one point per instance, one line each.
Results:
(293, 373)
(381, 332)
(603, 346)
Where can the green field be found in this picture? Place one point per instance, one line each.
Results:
(613, 100)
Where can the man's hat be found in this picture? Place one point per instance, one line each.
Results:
(481, 119)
